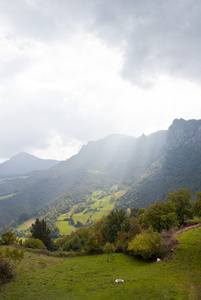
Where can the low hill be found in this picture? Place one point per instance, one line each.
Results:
(24, 163)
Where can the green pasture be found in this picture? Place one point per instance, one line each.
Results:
(26, 225)
(91, 277)
(64, 216)
(99, 204)
(64, 227)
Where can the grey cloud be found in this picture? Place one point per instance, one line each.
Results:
(156, 37)
(159, 37)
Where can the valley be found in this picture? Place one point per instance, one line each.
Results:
(84, 214)
(144, 170)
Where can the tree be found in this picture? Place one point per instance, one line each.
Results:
(73, 243)
(109, 248)
(40, 231)
(160, 215)
(197, 204)
(146, 245)
(8, 238)
(93, 247)
(181, 200)
(113, 223)
(33, 243)
(123, 238)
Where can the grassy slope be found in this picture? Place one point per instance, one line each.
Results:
(25, 225)
(91, 277)
(97, 206)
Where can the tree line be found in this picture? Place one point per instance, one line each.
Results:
(143, 233)
(128, 232)
(139, 230)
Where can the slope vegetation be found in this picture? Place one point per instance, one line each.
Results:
(91, 277)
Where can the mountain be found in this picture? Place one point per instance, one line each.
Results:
(24, 163)
(178, 166)
(148, 168)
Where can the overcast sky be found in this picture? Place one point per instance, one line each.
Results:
(76, 71)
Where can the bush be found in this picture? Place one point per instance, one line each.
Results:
(34, 244)
(8, 260)
(6, 271)
(8, 238)
(146, 245)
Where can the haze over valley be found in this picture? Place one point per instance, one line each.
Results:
(114, 172)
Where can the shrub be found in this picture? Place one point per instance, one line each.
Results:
(34, 244)
(6, 271)
(8, 259)
(8, 238)
(146, 245)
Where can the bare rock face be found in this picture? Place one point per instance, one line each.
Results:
(184, 133)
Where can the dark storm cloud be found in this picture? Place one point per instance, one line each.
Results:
(159, 37)
(60, 62)
(156, 37)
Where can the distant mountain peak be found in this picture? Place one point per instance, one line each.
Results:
(184, 132)
(23, 163)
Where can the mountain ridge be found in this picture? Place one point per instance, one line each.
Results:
(148, 167)
(23, 163)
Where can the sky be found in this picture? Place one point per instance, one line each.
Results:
(77, 71)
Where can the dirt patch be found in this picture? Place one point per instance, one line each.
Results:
(185, 229)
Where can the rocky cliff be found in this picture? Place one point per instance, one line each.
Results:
(184, 133)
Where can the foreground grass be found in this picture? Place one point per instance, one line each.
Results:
(91, 277)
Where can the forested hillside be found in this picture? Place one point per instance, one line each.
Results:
(148, 168)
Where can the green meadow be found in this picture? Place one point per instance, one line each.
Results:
(65, 227)
(96, 206)
(91, 277)
(26, 225)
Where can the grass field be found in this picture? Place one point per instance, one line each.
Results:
(99, 204)
(91, 277)
(25, 225)
(64, 227)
